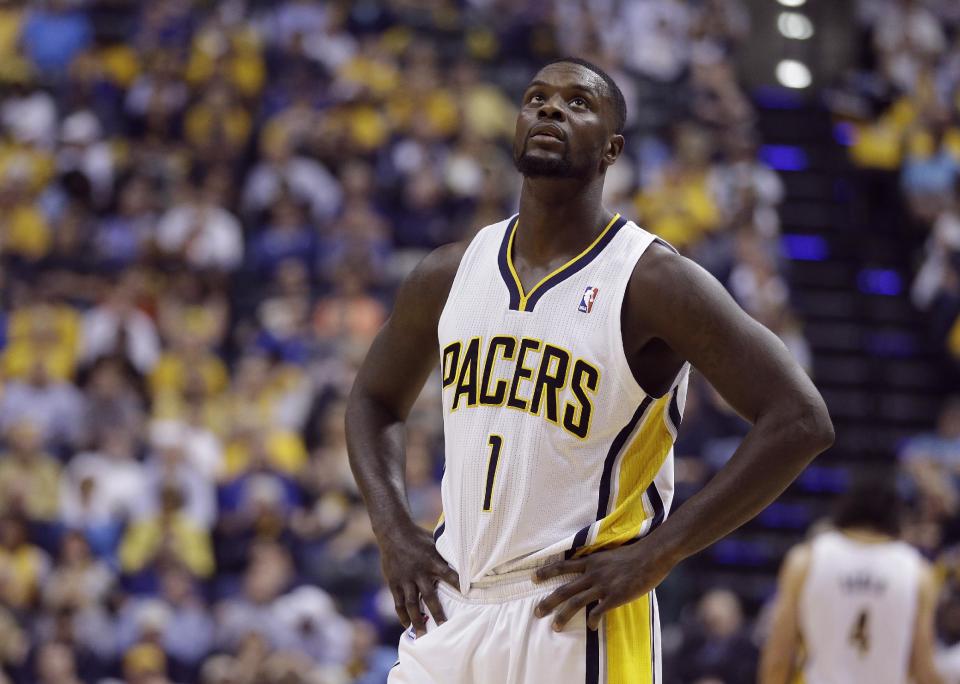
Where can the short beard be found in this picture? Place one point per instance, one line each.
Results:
(537, 167)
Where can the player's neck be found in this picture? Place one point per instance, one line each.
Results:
(867, 536)
(558, 216)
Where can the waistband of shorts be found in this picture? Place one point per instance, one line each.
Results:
(506, 587)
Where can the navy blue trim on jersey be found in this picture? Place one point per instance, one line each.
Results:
(505, 266)
(675, 416)
(603, 500)
(666, 244)
(657, 502)
(437, 532)
(593, 651)
(566, 271)
(576, 266)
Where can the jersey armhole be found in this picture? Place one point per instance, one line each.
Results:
(618, 350)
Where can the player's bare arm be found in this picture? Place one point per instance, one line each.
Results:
(779, 658)
(389, 381)
(753, 371)
(922, 668)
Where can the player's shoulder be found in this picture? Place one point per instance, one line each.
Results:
(677, 283)
(659, 261)
(797, 562)
(801, 555)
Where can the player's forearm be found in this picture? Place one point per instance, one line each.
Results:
(928, 675)
(778, 447)
(774, 670)
(777, 660)
(375, 446)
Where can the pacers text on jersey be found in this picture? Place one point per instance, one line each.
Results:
(539, 375)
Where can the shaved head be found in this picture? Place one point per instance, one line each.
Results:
(618, 105)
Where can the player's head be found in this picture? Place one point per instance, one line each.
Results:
(570, 122)
(872, 503)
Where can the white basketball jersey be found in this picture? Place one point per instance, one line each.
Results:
(552, 448)
(858, 609)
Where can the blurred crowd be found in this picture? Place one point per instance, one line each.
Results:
(205, 207)
(900, 111)
(902, 107)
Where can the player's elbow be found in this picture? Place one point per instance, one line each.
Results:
(820, 428)
(811, 426)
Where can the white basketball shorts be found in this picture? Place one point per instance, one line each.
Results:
(491, 636)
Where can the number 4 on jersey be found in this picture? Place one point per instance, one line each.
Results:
(496, 444)
(860, 634)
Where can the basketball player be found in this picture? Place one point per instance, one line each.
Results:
(858, 604)
(563, 336)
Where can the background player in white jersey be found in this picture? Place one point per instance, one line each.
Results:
(562, 397)
(854, 604)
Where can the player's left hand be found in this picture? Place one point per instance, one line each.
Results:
(607, 578)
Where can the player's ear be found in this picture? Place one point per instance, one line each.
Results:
(612, 150)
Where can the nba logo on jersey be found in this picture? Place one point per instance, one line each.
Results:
(586, 302)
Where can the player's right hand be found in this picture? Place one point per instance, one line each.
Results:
(413, 568)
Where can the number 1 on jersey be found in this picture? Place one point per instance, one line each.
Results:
(496, 444)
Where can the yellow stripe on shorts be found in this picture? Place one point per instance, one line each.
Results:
(629, 643)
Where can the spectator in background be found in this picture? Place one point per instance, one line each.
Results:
(159, 90)
(199, 231)
(179, 620)
(56, 408)
(28, 113)
(24, 230)
(654, 37)
(678, 206)
(932, 165)
(188, 360)
(369, 662)
(123, 236)
(83, 150)
(358, 239)
(53, 34)
(932, 464)
(747, 191)
(312, 626)
(755, 281)
(166, 536)
(29, 477)
(255, 508)
(171, 465)
(218, 127)
(56, 665)
(14, 646)
(268, 575)
(78, 580)
(23, 567)
(716, 645)
(255, 444)
(286, 236)
(102, 490)
(348, 313)
(112, 399)
(283, 171)
(906, 36)
(118, 327)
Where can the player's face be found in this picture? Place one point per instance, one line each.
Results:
(563, 125)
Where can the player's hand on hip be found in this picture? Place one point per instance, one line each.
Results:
(413, 567)
(606, 578)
